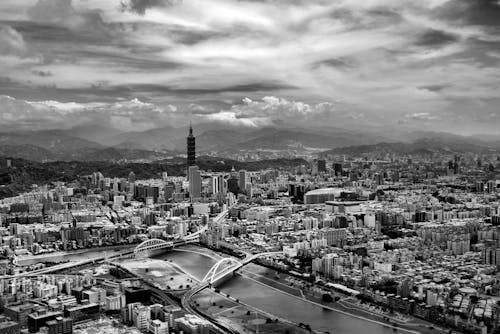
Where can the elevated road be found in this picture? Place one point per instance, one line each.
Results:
(67, 265)
(194, 237)
(154, 244)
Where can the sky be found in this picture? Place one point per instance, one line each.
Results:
(141, 64)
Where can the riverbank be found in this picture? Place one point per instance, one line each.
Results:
(223, 308)
(344, 306)
(243, 317)
(273, 301)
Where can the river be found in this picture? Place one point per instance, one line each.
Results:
(276, 302)
(74, 255)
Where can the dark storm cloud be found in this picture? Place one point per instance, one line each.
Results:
(191, 37)
(339, 63)
(42, 74)
(140, 6)
(104, 92)
(434, 88)
(41, 32)
(435, 38)
(165, 89)
(376, 60)
(182, 35)
(123, 58)
(475, 12)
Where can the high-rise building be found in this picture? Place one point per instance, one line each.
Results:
(191, 148)
(232, 185)
(243, 180)
(131, 177)
(60, 325)
(337, 167)
(214, 185)
(141, 315)
(194, 182)
(222, 184)
(321, 166)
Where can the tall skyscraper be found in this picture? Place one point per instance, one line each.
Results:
(131, 177)
(191, 148)
(222, 184)
(243, 181)
(214, 185)
(194, 182)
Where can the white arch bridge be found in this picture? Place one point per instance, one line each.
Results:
(227, 265)
(222, 268)
(144, 248)
(152, 244)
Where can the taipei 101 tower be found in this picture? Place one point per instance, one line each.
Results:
(191, 148)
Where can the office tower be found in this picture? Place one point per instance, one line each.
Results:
(232, 185)
(222, 184)
(194, 182)
(243, 180)
(141, 315)
(321, 166)
(214, 185)
(337, 167)
(131, 177)
(191, 148)
(60, 325)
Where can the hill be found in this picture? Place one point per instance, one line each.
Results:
(25, 173)
(430, 145)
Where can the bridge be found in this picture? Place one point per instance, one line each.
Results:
(228, 266)
(221, 269)
(145, 247)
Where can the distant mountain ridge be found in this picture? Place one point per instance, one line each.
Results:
(51, 145)
(98, 143)
(422, 146)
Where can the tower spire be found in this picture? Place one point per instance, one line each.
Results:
(191, 147)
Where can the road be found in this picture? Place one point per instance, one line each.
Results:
(66, 265)
(72, 264)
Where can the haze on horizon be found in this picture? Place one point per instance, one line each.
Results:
(140, 64)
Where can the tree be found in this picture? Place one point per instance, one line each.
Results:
(327, 298)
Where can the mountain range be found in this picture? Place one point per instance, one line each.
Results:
(423, 143)
(99, 143)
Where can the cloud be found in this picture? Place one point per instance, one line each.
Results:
(141, 115)
(422, 116)
(434, 88)
(254, 62)
(62, 12)
(271, 110)
(140, 6)
(434, 38)
(41, 73)
(51, 11)
(17, 114)
(11, 42)
(473, 12)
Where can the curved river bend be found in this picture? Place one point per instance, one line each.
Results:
(275, 302)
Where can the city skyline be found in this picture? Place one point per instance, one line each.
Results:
(137, 65)
(249, 166)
